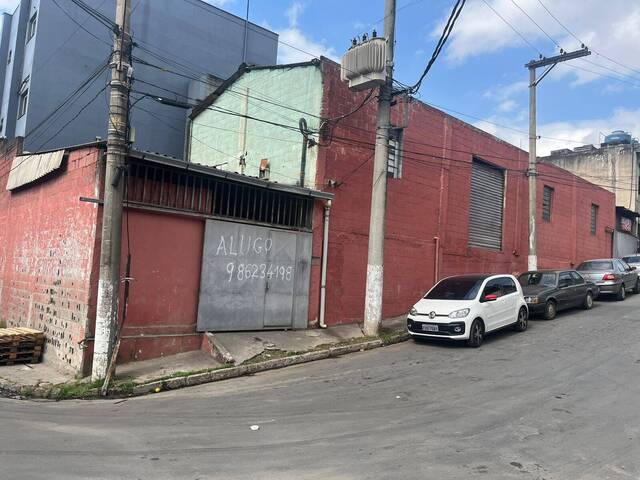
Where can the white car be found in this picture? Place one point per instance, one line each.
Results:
(468, 306)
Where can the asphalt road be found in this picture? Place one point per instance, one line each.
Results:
(558, 402)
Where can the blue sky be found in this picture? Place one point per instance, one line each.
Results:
(481, 72)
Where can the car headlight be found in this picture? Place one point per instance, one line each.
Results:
(459, 313)
(413, 311)
(532, 299)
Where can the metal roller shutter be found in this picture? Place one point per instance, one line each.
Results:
(486, 206)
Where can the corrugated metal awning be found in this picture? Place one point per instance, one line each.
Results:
(29, 168)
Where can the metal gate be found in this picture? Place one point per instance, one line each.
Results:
(624, 244)
(486, 206)
(253, 278)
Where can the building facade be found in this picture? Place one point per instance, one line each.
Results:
(213, 249)
(456, 200)
(615, 167)
(48, 49)
(204, 244)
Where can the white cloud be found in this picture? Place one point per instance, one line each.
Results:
(296, 46)
(558, 135)
(611, 29)
(507, 106)
(293, 13)
(506, 92)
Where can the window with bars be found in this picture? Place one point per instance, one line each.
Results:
(547, 203)
(169, 188)
(394, 162)
(594, 219)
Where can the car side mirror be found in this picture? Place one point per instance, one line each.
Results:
(490, 298)
(632, 268)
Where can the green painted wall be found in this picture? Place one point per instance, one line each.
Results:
(217, 137)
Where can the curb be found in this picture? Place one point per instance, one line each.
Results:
(242, 370)
(10, 390)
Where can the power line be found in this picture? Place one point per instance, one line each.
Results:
(79, 91)
(260, 32)
(82, 109)
(635, 70)
(561, 24)
(536, 24)
(81, 26)
(512, 28)
(541, 55)
(226, 155)
(524, 133)
(351, 127)
(603, 75)
(52, 55)
(105, 20)
(448, 28)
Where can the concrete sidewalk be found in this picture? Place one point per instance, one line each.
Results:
(232, 354)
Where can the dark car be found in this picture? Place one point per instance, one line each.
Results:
(612, 275)
(548, 291)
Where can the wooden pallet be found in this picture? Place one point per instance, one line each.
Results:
(20, 345)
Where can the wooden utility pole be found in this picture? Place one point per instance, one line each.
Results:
(117, 149)
(532, 171)
(375, 261)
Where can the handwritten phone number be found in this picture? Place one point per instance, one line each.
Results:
(251, 271)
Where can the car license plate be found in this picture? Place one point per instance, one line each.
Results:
(429, 328)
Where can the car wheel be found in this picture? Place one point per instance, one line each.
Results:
(636, 289)
(588, 301)
(550, 310)
(622, 293)
(522, 322)
(476, 334)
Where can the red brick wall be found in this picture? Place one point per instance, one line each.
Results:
(432, 200)
(47, 248)
(566, 240)
(166, 253)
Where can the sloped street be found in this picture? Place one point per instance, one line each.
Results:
(557, 402)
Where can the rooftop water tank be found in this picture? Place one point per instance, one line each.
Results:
(364, 65)
(617, 137)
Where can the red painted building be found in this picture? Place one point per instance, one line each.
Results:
(50, 225)
(428, 207)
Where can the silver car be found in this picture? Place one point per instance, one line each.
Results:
(612, 276)
(632, 260)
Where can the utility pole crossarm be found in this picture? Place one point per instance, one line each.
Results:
(563, 57)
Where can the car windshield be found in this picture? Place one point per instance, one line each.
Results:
(538, 278)
(456, 288)
(635, 259)
(595, 265)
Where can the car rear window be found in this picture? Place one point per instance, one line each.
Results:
(537, 278)
(457, 288)
(595, 265)
(631, 259)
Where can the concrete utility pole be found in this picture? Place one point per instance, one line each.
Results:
(117, 148)
(375, 262)
(532, 172)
